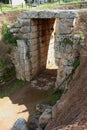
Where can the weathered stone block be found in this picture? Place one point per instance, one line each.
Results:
(14, 30)
(33, 41)
(45, 117)
(68, 69)
(20, 124)
(68, 14)
(22, 22)
(68, 48)
(34, 35)
(26, 36)
(46, 14)
(64, 28)
(25, 29)
(27, 14)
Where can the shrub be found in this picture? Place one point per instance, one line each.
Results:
(7, 36)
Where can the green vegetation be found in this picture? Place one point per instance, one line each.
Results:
(53, 97)
(50, 5)
(7, 36)
(56, 96)
(8, 74)
(13, 87)
(67, 41)
(7, 70)
(76, 63)
(2, 63)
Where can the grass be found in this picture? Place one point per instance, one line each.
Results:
(6, 7)
(12, 88)
(76, 63)
(80, 35)
(52, 97)
(55, 97)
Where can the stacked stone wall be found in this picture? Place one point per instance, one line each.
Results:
(30, 55)
(35, 29)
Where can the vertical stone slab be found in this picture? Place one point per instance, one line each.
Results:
(21, 61)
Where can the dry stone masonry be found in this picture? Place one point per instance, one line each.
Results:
(35, 30)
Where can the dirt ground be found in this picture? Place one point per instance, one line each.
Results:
(23, 102)
(73, 114)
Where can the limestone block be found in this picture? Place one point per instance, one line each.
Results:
(57, 61)
(49, 14)
(69, 22)
(76, 39)
(27, 14)
(45, 117)
(34, 35)
(25, 29)
(68, 69)
(42, 107)
(14, 30)
(68, 48)
(46, 14)
(34, 53)
(33, 48)
(17, 24)
(64, 61)
(22, 22)
(26, 36)
(68, 14)
(33, 41)
(21, 62)
(64, 28)
(71, 61)
(58, 55)
(20, 124)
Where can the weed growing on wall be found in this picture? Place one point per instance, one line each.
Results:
(7, 36)
(67, 41)
(76, 63)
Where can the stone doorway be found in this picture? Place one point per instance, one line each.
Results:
(46, 35)
(35, 30)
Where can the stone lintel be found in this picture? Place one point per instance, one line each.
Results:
(70, 14)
